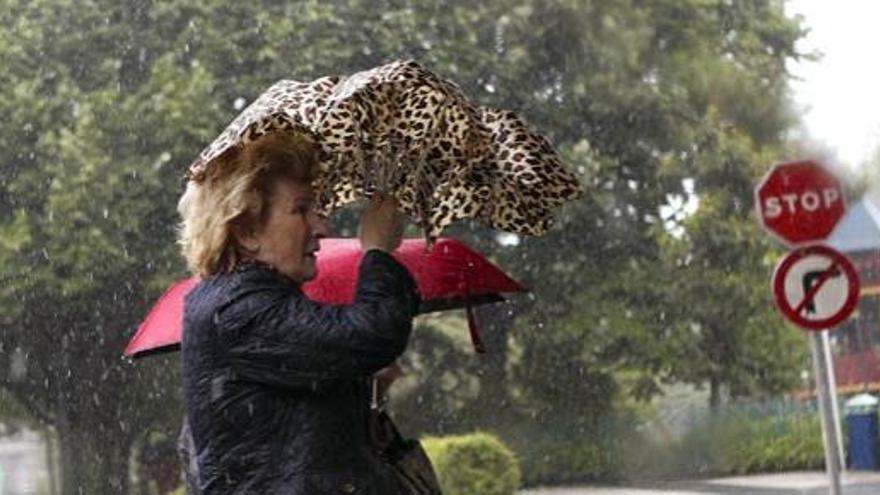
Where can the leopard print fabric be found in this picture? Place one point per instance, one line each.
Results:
(401, 129)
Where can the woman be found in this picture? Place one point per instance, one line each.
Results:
(274, 382)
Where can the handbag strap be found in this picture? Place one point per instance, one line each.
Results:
(377, 400)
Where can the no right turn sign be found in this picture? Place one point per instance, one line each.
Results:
(816, 287)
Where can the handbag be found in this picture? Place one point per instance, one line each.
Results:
(406, 457)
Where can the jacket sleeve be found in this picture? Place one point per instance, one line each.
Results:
(285, 339)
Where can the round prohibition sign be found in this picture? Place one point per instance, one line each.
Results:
(816, 287)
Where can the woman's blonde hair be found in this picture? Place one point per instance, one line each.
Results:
(236, 188)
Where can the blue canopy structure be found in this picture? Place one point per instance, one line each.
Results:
(859, 229)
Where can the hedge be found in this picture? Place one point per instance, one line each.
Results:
(474, 464)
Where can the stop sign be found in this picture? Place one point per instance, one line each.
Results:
(799, 202)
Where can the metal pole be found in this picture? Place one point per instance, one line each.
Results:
(830, 436)
(835, 404)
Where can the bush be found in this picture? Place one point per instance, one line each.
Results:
(776, 444)
(574, 461)
(475, 464)
(565, 449)
(737, 444)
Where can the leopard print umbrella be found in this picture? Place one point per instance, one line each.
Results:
(401, 129)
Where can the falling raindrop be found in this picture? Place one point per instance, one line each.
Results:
(18, 365)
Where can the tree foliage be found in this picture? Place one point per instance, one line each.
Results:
(106, 103)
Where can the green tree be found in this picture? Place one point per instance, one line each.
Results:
(701, 94)
(107, 103)
(730, 335)
(88, 221)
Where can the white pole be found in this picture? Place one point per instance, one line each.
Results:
(835, 404)
(830, 436)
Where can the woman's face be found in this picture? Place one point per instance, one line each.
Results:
(288, 240)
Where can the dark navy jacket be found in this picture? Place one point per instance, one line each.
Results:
(275, 383)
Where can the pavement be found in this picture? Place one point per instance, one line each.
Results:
(793, 483)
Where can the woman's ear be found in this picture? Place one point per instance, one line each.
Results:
(244, 235)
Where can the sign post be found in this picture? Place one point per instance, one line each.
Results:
(831, 437)
(816, 287)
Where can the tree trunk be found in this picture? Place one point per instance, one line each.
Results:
(494, 322)
(51, 467)
(71, 464)
(91, 465)
(714, 395)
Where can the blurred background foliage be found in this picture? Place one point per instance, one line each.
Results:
(668, 110)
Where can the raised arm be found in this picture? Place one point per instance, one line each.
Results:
(278, 336)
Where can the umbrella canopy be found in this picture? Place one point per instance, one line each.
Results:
(404, 130)
(449, 275)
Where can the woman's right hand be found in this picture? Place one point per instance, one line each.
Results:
(382, 224)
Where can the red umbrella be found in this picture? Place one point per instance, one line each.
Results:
(450, 275)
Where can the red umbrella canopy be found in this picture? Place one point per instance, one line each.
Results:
(161, 329)
(449, 275)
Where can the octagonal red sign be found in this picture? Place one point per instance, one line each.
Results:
(799, 202)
